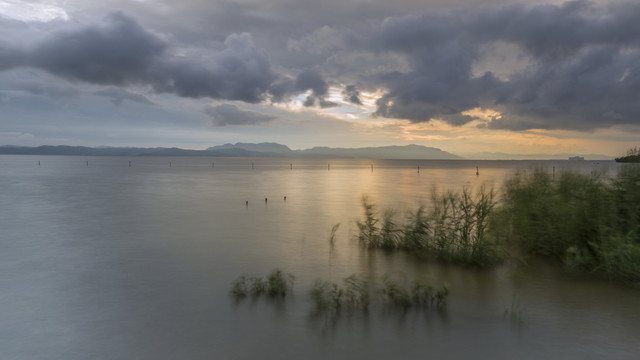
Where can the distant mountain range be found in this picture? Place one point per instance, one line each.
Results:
(382, 152)
(241, 150)
(279, 150)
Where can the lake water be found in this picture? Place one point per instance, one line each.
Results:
(103, 260)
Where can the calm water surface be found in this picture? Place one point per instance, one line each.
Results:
(108, 261)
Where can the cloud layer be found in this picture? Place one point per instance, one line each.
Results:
(584, 68)
(228, 114)
(582, 60)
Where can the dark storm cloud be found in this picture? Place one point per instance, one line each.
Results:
(120, 52)
(312, 80)
(584, 73)
(351, 94)
(550, 32)
(598, 87)
(240, 72)
(227, 114)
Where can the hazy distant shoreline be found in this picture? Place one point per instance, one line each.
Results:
(415, 152)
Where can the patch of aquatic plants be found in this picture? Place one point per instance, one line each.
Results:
(277, 284)
(455, 229)
(418, 294)
(328, 296)
(585, 222)
(355, 294)
(515, 313)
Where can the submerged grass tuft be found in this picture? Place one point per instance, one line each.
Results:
(515, 313)
(277, 284)
(328, 296)
(420, 294)
(355, 294)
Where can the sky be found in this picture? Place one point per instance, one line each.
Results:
(464, 76)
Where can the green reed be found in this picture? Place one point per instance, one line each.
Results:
(455, 229)
(585, 222)
(332, 236)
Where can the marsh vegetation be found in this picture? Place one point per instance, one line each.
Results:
(585, 222)
(353, 294)
(632, 156)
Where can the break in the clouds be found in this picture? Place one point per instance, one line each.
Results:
(228, 114)
(576, 64)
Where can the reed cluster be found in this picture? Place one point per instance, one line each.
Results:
(454, 229)
(585, 222)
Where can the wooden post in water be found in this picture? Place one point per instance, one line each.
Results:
(477, 171)
(553, 174)
(371, 167)
(38, 162)
(212, 165)
(418, 169)
(87, 162)
(291, 165)
(169, 163)
(129, 163)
